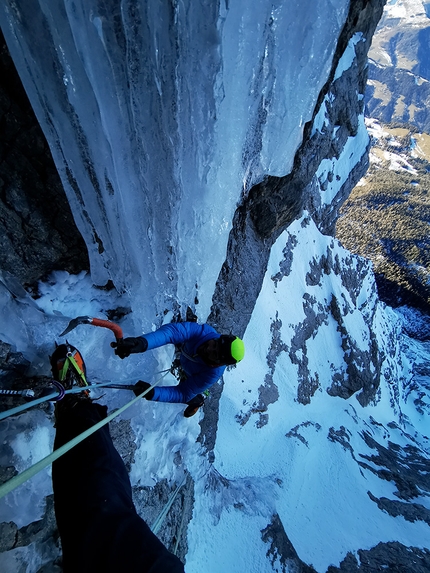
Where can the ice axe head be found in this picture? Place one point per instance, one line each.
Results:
(76, 322)
(117, 330)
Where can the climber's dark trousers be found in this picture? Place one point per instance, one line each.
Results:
(99, 528)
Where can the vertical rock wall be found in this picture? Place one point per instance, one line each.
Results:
(38, 233)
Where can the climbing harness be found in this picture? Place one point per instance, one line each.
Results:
(68, 368)
(69, 377)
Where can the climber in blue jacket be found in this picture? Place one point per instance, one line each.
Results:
(204, 355)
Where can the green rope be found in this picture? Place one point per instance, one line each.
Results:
(181, 525)
(19, 479)
(157, 523)
(74, 390)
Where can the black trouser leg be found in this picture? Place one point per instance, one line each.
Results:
(97, 521)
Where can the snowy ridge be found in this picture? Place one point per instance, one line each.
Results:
(313, 454)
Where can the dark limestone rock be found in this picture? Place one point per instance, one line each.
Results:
(406, 467)
(392, 557)
(123, 438)
(39, 532)
(295, 432)
(151, 501)
(281, 548)
(410, 511)
(11, 361)
(38, 233)
(268, 392)
(341, 436)
(363, 369)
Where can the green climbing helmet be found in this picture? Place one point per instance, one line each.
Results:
(232, 349)
(237, 349)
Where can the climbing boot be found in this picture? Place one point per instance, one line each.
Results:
(193, 405)
(68, 368)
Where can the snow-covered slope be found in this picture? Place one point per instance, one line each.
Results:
(314, 456)
(287, 451)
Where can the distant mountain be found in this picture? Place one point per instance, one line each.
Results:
(399, 65)
(386, 217)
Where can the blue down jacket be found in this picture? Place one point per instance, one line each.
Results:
(188, 336)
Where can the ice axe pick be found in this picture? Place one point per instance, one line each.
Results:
(117, 330)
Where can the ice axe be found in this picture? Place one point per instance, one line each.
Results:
(117, 330)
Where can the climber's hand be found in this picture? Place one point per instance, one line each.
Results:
(131, 345)
(140, 387)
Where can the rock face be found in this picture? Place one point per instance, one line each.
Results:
(272, 205)
(277, 201)
(385, 557)
(38, 231)
(280, 547)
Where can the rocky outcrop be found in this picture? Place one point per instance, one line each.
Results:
(385, 557)
(11, 363)
(41, 531)
(273, 204)
(281, 550)
(277, 201)
(38, 234)
(413, 481)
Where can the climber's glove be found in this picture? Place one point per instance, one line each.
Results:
(140, 387)
(131, 345)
